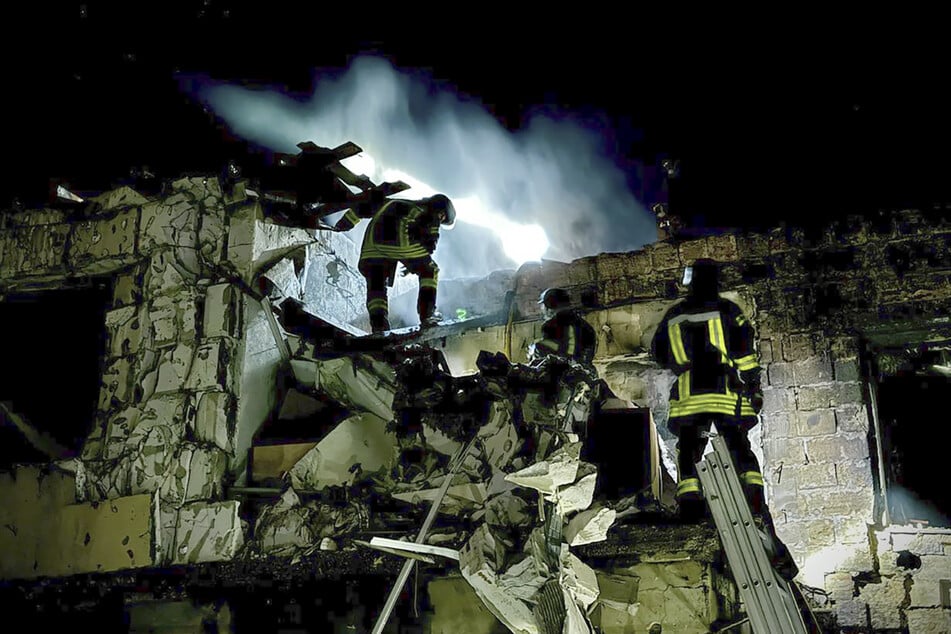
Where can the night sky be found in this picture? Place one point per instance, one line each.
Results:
(767, 126)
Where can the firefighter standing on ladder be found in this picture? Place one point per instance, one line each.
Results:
(707, 342)
(404, 231)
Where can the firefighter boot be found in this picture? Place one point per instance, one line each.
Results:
(690, 502)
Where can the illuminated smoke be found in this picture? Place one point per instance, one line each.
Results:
(552, 180)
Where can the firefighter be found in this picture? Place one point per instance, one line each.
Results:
(404, 231)
(565, 332)
(708, 343)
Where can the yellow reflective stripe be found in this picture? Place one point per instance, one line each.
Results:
(748, 362)
(715, 328)
(740, 319)
(572, 341)
(754, 478)
(352, 216)
(390, 252)
(677, 343)
(548, 345)
(377, 304)
(688, 485)
(709, 404)
(427, 283)
(683, 386)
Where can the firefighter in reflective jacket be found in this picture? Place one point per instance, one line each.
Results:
(565, 332)
(404, 231)
(708, 343)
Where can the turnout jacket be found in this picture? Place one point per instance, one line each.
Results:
(710, 347)
(568, 334)
(398, 230)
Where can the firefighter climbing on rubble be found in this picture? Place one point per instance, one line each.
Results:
(708, 342)
(565, 332)
(404, 231)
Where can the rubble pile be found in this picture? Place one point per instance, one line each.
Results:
(509, 438)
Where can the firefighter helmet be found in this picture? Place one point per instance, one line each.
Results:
(554, 298)
(702, 278)
(441, 204)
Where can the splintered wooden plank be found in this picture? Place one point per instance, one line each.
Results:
(346, 150)
(384, 190)
(348, 177)
(273, 461)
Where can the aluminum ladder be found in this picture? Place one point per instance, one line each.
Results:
(770, 602)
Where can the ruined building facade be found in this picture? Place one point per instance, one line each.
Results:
(191, 357)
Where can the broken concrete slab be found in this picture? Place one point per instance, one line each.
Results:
(272, 462)
(172, 221)
(150, 454)
(212, 366)
(478, 562)
(173, 368)
(48, 534)
(289, 526)
(213, 422)
(197, 473)
(459, 497)
(298, 406)
(207, 532)
(360, 383)
(590, 526)
(220, 316)
(559, 469)
(104, 244)
(117, 383)
(273, 242)
(172, 318)
(166, 272)
(283, 279)
(119, 198)
(359, 441)
(508, 510)
(126, 333)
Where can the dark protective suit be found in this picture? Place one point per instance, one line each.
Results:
(567, 334)
(399, 231)
(709, 344)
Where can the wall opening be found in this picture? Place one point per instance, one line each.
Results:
(914, 411)
(53, 344)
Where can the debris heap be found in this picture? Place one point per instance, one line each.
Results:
(508, 436)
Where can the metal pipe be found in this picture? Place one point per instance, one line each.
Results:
(409, 563)
(876, 426)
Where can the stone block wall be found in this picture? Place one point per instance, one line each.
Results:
(184, 339)
(813, 298)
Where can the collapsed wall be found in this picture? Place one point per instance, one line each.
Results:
(192, 361)
(187, 374)
(822, 303)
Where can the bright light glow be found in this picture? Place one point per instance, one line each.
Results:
(361, 163)
(521, 243)
(826, 560)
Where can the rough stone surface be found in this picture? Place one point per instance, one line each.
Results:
(928, 621)
(882, 599)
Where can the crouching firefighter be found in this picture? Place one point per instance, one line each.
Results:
(404, 231)
(565, 332)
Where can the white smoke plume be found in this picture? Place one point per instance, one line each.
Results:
(554, 173)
